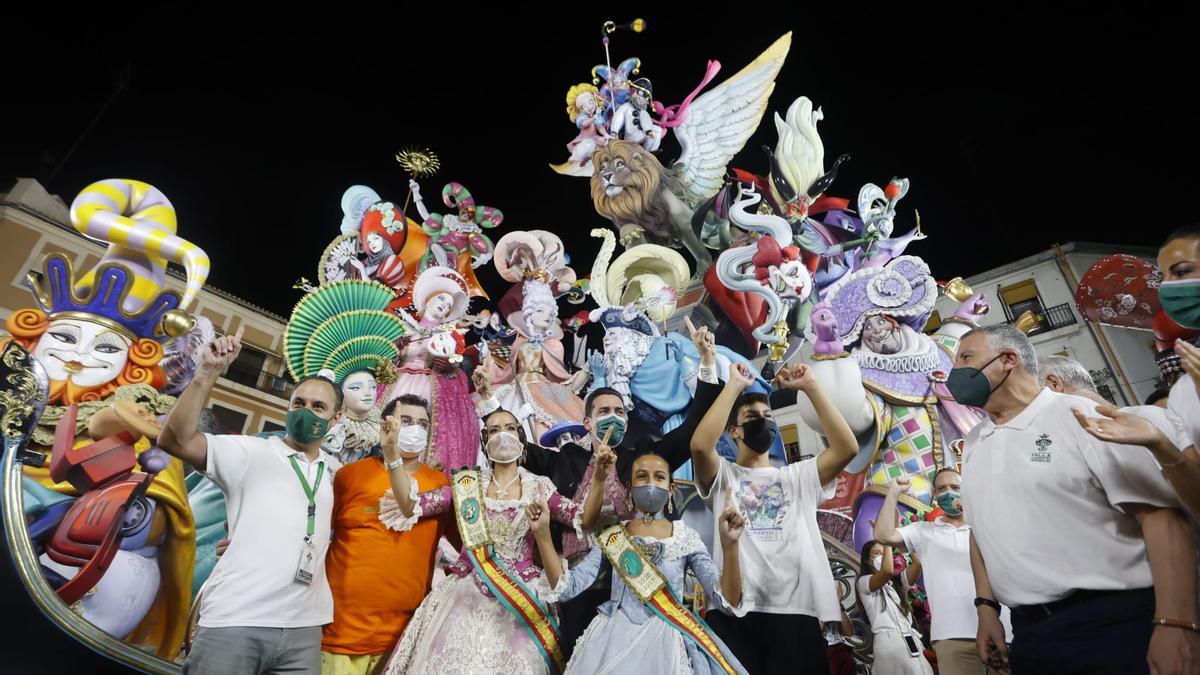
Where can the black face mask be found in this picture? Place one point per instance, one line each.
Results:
(759, 434)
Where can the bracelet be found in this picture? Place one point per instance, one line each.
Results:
(980, 602)
(1173, 623)
(394, 464)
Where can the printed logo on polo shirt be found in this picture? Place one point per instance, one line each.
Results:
(764, 506)
(1042, 454)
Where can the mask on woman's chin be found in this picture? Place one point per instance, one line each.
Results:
(877, 561)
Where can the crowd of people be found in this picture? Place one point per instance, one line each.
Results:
(1065, 543)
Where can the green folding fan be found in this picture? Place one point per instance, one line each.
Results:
(331, 317)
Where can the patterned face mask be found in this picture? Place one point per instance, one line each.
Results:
(305, 426)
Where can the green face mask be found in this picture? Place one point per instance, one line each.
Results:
(614, 422)
(305, 426)
(1181, 301)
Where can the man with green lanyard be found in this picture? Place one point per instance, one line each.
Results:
(264, 605)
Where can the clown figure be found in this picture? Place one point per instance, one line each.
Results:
(890, 384)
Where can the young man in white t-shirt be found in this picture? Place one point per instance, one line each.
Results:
(943, 547)
(787, 587)
(267, 598)
(1079, 537)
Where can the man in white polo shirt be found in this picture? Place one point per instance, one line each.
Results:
(1081, 538)
(943, 547)
(267, 598)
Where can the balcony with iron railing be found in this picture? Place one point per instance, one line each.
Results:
(1047, 320)
(261, 380)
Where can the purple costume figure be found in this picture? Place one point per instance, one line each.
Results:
(888, 379)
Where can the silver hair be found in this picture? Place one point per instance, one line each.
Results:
(1006, 336)
(1071, 372)
(537, 296)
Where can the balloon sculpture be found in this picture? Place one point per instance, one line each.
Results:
(110, 515)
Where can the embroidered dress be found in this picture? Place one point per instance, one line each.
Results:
(533, 387)
(461, 627)
(454, 436)
(627, 636)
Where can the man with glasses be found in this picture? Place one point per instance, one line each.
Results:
(379, 576)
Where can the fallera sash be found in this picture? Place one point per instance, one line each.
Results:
(506, 587)
(648, 583)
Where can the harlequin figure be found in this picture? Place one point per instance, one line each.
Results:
(890, 384)
(456, 239)
(109, 340)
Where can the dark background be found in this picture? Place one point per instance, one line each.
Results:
(1019, 126)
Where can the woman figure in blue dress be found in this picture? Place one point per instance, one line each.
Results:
(644, 627)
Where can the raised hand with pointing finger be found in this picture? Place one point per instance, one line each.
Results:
(223, 351)
(705, 343)
(732, 524)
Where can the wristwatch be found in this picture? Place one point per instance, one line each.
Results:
(980, 602)
(394, 464)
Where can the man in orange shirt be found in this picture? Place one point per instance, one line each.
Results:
(379, 576)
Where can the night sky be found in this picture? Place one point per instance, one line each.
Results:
(1018, 128)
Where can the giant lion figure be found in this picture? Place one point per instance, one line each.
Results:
(637, 193)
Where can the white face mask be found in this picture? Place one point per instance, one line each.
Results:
(504, 448)
(877, 561)
(411, 439)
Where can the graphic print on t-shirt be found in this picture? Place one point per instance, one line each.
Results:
(763, 505)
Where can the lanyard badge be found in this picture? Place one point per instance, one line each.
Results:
(308, 552)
